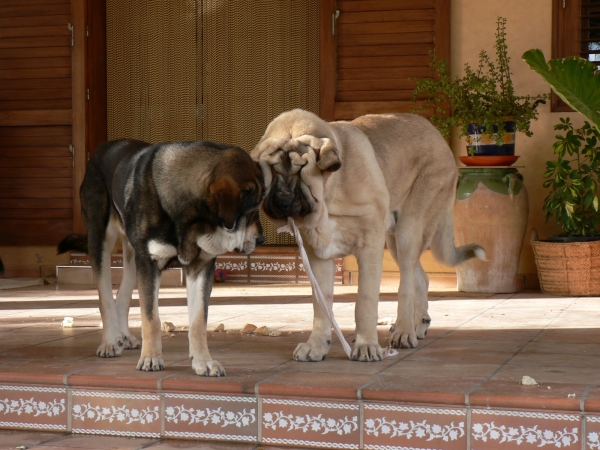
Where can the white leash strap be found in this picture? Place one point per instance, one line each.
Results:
(313, 281)
(293, 229)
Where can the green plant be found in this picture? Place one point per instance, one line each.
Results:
(574, 79)
(484, 96)
(573, 179)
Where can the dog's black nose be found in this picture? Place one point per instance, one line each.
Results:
(260, 240)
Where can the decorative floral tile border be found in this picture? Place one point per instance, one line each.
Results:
(392, 426)
(35, 408)
(221, 417)
(235, 267)
(592, 432)
(291, 422)
(494, 429)
(116, 413)
(310, 424)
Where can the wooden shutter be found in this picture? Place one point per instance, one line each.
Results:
(36, 185)
(378, 46)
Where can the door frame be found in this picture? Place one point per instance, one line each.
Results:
(89, 91)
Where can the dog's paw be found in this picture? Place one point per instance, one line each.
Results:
(151, 363)
(367, 353)
(403, 336)
(209, 368)
(423, 326)
(312, 350)
(110, 350)
(130, 342)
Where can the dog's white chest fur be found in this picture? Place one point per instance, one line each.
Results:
(222, 241)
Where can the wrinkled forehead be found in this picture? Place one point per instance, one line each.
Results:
(284, 155)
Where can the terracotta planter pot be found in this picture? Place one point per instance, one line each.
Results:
(491, 210)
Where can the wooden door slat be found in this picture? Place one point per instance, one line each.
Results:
(377, 73)
(35, 63)
(50, 162)
(56, 72)
(384, 5)
(36, 83)
(37, 193)
(386, 16)
(386, 27)
(50, 104)
(34, 21)
(35, 203)
(350, 110)
(385, 39)
(35, 183)
(34, 94)
(34, 131)
(384, 50)
(376, 84)
(34, 52)
(384, 61)
(44, 8)
(46, 213)
(43, 31)
(36, 117)
(24, 42)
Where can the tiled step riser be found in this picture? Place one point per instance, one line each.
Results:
(290, 422)
(254, 268)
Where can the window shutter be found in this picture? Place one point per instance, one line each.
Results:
(380, 46)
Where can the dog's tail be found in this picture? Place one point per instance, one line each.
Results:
(77, 242)
(442, 244)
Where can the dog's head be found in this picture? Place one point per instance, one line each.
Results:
(235, 195)
(297, 149)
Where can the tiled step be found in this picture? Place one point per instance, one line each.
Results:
(347, 411)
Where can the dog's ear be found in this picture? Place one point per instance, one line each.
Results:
(226, 199)
(328, 157)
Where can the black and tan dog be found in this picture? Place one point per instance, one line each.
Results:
(186, 200)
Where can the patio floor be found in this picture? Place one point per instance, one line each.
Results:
(459, 389)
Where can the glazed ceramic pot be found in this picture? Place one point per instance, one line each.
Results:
(480, 142)
(491, 210)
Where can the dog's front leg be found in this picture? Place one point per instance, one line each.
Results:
(319, 342)
(148, 277)
(199, 280)
(370, 260)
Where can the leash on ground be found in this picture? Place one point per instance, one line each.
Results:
(293, 230)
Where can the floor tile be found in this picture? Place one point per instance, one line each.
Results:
(507, 394)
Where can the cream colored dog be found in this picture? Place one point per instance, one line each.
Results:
(351, 187)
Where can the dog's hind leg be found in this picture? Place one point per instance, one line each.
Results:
(199, 280)
(408, 250)
(319, 341)
(112, 342)
(422, 318)
(124, 294)
(148, 276)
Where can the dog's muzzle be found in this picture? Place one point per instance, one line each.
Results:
(286, 200)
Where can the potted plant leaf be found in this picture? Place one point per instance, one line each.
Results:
(483, 104)
(569, 264)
